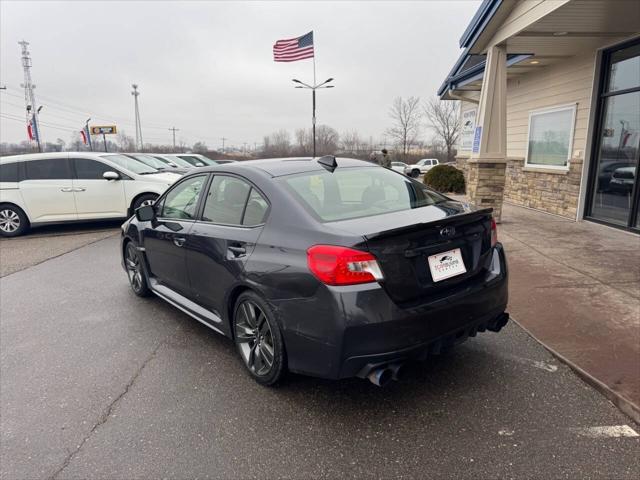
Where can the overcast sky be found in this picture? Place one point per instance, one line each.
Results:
(207, 67)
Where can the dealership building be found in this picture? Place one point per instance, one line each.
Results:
(550, 107)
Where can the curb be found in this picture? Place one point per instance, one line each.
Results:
(625, 405)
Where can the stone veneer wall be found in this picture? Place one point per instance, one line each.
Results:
(551, 191)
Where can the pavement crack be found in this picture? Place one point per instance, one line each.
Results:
(106, 414)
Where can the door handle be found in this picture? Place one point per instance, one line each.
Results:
(237, 251)
(66, 189)
(79, 189)
(179, 241)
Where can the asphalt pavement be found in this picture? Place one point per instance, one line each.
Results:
(98, 383)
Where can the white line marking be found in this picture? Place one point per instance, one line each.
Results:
(607, 432)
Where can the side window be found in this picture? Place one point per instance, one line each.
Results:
(9, 172)
(49, 169)
(87, 169)
(182, 201)
(256, 210)
(226, 200)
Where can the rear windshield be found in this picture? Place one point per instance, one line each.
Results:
(128, 163)
(197, 161)
(358, 192)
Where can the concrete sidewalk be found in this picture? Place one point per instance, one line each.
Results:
(575, 286)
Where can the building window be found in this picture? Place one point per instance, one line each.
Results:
(551, 137)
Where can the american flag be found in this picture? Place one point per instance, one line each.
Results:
(294, 49)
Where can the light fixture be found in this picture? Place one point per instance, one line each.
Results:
(534, 62)
(559, 34)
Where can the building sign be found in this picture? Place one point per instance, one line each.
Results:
(104, 130)
(476, 139)
(468, 126)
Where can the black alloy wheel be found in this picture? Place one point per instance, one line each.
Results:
(133, 264)
(258, 339)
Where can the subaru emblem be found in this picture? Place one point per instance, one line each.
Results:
(448, 231)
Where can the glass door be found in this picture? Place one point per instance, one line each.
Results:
(614, 189)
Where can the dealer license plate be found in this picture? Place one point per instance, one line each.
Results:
(446, 265)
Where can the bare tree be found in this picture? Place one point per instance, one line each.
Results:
(200, 147)
(278, 144)
(326, 140)
(303, 142)
(444, 118)
(351, 142)
(125, 142)
(406, 117)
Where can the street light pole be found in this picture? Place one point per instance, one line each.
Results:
(313, 104)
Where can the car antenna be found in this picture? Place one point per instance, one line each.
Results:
(329, 162)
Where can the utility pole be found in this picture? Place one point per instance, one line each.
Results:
(32, 110)
(223, 139)
(174, 130)
(139, 142)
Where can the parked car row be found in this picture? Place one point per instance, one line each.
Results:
(44, 188)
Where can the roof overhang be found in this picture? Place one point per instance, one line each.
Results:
(549, 31)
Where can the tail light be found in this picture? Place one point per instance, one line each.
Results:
(494, 232)
(335, 265)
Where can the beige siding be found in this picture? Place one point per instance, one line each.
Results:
(568, 82)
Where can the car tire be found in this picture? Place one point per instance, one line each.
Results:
(133, 263)
(258, 339)
(13, 221)
(415, 173)
(142, 200)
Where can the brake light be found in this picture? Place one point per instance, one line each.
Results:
(494, 232)
(335, 265)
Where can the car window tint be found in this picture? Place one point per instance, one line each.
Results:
(9, 172)
(358, 192)
(256, 209)
(226, 200)
(182, 201)
(49, 169)
(87, 169)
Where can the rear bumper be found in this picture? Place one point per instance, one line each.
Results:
(346, 331)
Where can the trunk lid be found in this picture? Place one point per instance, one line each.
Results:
(403, 241)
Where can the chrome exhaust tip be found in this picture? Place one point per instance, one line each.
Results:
(380, 376)
(398, 371)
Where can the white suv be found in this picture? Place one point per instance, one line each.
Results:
(64, 186)
(420, 167)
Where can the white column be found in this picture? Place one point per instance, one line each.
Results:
(487, 164)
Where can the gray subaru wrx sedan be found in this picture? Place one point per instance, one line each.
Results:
(327, 267)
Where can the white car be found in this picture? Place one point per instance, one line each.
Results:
(57, 187)
(420, 167)
(398, 166)
(195, 159)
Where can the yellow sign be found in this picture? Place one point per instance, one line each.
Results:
(104, 130)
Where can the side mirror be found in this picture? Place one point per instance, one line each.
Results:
(111, 176)
(146, 213)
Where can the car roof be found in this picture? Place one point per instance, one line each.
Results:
(278, 167)
(53, 155)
